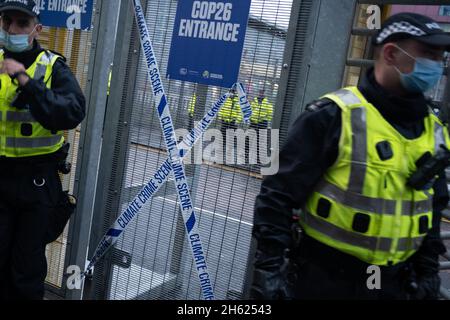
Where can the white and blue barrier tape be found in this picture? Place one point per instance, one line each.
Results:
(158, 179)
(244, 103)
(176, 153)
(170, 139)
(154, 185)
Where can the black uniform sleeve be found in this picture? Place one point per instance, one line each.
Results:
(63, 106)
(312, 146)
(440, 202)
(426, 259)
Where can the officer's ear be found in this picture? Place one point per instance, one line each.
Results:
(38, 28)
(389, 53)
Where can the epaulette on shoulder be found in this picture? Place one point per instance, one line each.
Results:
(318, 105)
(59, 54)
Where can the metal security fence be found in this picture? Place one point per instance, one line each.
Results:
(316, 51)
(152, 259)
(75, 45)
(290, 51)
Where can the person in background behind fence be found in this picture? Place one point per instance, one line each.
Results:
(40, 99)
(262, 112)
(230, 115)
(191, 111)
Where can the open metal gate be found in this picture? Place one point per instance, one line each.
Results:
(290, 51)
(75, 45)
(151, 259)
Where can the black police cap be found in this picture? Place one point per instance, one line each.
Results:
(412, 26)
(26, 6)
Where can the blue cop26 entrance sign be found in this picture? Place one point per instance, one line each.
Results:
(207, 41)
(71, 14)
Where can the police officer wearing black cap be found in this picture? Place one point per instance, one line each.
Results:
(344, 170)
(39, 98)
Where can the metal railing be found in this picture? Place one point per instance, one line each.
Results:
(445, 235)
(445, 292)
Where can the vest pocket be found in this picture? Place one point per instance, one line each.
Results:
(423, 224)
(361, 222)
(26, 129)
(323, 208)
(384, 150)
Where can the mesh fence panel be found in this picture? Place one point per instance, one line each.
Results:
(223, 195)
(75, 45)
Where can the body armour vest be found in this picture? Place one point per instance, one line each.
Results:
(21, 135)
(363, 206)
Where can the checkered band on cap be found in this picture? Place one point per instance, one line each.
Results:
(399, 27)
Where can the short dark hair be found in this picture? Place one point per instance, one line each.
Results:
(377, 52)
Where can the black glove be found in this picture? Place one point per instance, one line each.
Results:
(270, 263)
(426, 269)
(428, 287)
(273, 278)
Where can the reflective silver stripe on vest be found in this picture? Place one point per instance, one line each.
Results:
(359, 140)
(405, 244)
(33, 142)
(41, 67)
(348, 237)
(372, 205)
(14, 116)
(439, 138)
(347, 97)
(418, 207)
(356, 201)
(359, 151)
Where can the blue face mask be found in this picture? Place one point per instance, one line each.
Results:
(15, 42)
(425, 76)
(18, 42)
(3, 37)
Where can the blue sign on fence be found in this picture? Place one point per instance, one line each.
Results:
(207, 41)
(71, 14)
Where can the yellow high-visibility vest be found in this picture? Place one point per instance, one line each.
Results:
(191, 107)
(231, 111)
(15, 142)
(363, 206)
(261, 111)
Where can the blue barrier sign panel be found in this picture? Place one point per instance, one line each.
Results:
(70, 14)
(207, 41)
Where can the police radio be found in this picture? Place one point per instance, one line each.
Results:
(428, 167)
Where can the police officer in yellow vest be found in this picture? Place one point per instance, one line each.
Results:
(230, 114)
(39, 98)
(191, 111)
(262, 111)
(345, 169)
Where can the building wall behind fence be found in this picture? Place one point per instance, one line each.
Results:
(439, 13)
